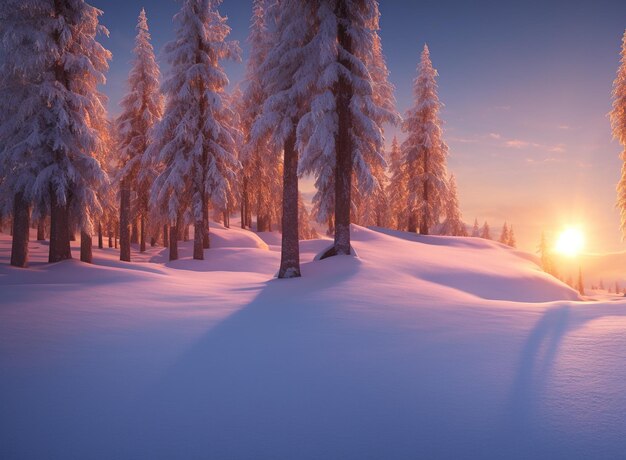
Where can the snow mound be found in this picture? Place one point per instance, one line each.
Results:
(474, 266)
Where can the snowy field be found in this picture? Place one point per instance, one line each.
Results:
(421, 347)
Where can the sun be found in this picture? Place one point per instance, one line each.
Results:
(570, 242)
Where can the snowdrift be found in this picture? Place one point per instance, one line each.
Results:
(420, 347)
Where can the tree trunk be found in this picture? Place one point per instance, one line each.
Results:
(226, 219)
(100, 242)
(142, 234)
(174, 242)
(125, 222)
(290, 249)
(41, 229)
(166, 237)
(59, 230)
(412, 222)
(206, 242)
(343, 146)
(134, 236)
(21, 229)
(198, 240)
(110, 234)
(244, 202)
(115, 237)
(85, 247)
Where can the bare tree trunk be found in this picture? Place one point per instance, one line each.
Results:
(290, 249)
(166, 237)
(21, 229)
(244, 203)
(85, 247)
(186, 232)
(198, 240)
(59, 230)
(124, 222)
(412, 222)
(343, 145)
(174, 242)
(115, 237)
(110, 234)
(100, 242)
(226, 219)
(134, 235)
(142, 233)
(206, 242)
(41, 229)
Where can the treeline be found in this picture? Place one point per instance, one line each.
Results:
(314, 102)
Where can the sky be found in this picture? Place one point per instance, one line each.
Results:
(526, 87)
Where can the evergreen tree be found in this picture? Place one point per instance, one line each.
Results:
(53, 65)
(396, 189)
(546, 256)
(341, 135)
(305, 229)
(504, 235)
(424, 150)
(485, 231)
(618, 124)
(476, 229)
(194, 140)
(262, 168)
(287, 74)
(453, 224)
(511, 241)
(142, 108)
(580, 285)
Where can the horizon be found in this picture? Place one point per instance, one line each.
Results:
(525, 117)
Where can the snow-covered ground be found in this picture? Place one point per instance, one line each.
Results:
(421, 347)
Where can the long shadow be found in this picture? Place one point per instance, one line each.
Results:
(532, 379)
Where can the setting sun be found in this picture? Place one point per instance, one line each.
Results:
(570, 242)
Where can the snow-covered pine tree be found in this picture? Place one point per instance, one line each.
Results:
(424, 150)
(396, 188)
(287, 74)
(476, 229)
(511, 241)
(504, 234)
(453, 224)
(485, 231)
(60, 114)
(142, 107)
(305, 229)
(618, 124)
(261, 182)
(342, 133)
(194, 140)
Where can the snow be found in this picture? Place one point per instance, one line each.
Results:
(419, 347)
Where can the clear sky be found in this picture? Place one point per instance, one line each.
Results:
(526, 87)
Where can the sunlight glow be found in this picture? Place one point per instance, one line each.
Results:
(570, 242)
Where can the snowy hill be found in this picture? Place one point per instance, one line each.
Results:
(420, 347)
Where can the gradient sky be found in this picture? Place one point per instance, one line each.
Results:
(526, 87)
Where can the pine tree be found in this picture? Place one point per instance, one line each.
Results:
(341, 135)
(56, 64)
(287, 74)
(476, 229)
(194, 140)
(504, 234)
(453, 224)
(424, 150)
(511, 241)
(580, 285)
(485, 231)
(305, 229)
(618, 124)
(396, 189)
(546, 256)
(262, 168)
(142, 108)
